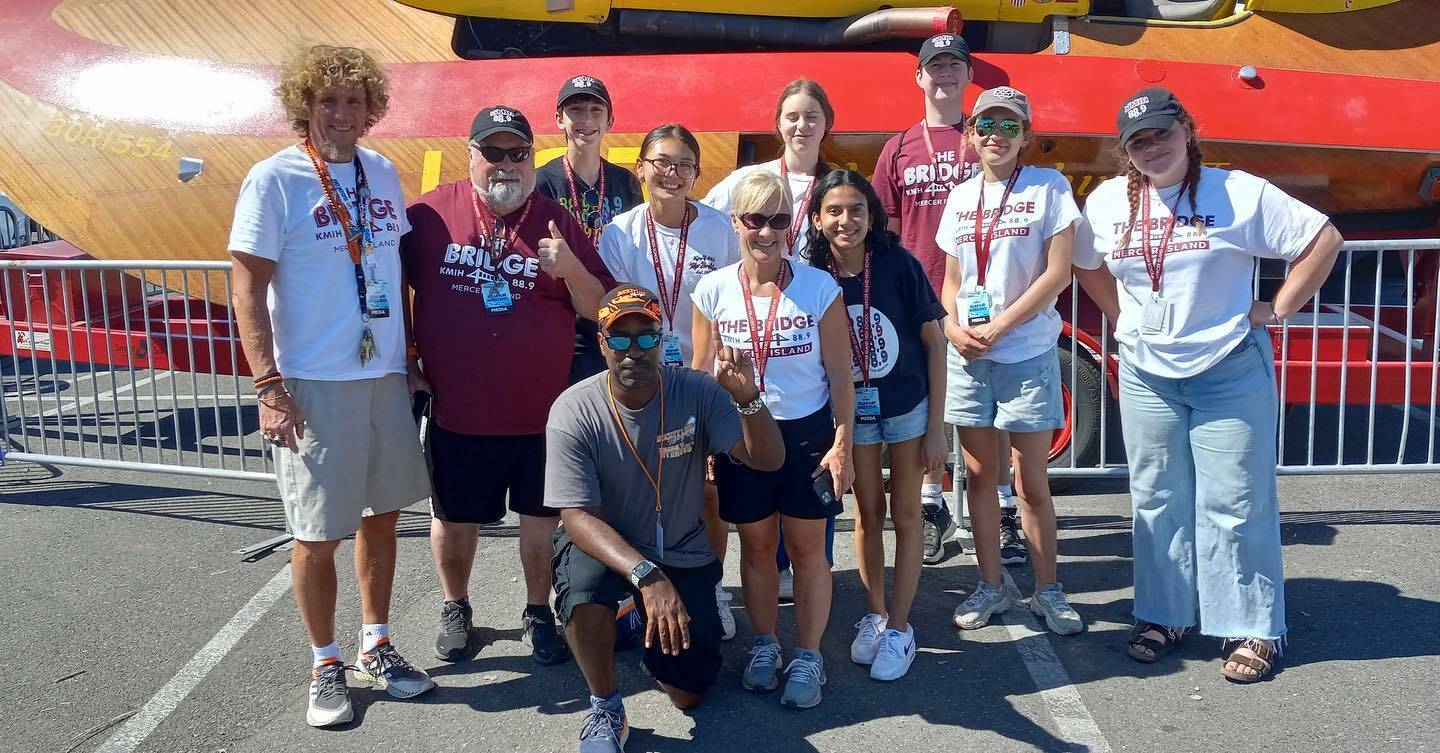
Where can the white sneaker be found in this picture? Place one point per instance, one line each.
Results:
(867, 639)
(895, 655)
(727, 618)
(787, 585)
(1050, 605)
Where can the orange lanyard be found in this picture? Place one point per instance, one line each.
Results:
(644, 466)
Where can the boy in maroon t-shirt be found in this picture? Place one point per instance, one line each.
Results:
(498, 272)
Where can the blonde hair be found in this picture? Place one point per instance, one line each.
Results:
(756, 191)
(322, 67)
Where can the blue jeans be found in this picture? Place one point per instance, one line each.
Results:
(1202, 481)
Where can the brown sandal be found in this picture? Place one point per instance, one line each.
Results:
(1145, 649)
(1265, 660)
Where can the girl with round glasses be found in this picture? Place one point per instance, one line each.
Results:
(1008, 232)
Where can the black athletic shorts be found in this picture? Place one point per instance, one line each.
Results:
(749, 496)
(473, 475)
(582, 579)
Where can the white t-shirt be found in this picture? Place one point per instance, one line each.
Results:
(282, 215)
(720, 197)
(1039, 206)
(795, 380)
(710, 244)
(1208, 274)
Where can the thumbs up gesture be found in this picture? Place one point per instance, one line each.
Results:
(733, 369)
(556, 258)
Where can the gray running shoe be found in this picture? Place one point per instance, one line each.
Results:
(807, 675)
(547, 645)
(606, 729)
(762, 674)
(984, 602)
(1050, 604)
(455, 628)
(384, 668)
(329, 696)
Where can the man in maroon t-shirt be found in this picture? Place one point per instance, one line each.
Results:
(498, 272)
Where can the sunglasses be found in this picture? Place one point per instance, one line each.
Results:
(1008, 128)
(495, 155)
(590, 201)
(686, 170)
(622, 343)
(757, 221)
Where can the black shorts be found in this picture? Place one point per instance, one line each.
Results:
(749, 496)
(582, 579)
(472, 476)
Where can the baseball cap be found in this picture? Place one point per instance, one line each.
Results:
(586, 85)
(625, 300)
(1149, 108)
(500, 119)
(944, 44)
(1005, 98)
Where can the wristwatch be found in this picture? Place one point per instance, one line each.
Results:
(642, 572)
(752, 407)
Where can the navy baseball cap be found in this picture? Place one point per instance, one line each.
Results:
(944, 44)
(1149, 108)
(583, 85)
(500, 119)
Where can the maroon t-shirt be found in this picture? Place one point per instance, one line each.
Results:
(494, 374)
(913, 188)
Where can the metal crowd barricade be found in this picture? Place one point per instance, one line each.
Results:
(130, 365)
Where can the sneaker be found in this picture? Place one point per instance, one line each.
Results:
(329, 696)
(727, 618)
(762, 674)
(1012, 548)
(985, 601)
(455, 628)
(606, 729)
(386, 669)
(807, 675)
(867, 640)
(1050, 604)
(547, 646)
(939, 527)
(896, 654)
(787, 585)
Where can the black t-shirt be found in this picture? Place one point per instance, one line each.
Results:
(901, 302)
(622, 191)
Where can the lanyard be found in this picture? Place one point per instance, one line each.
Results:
(930, 149)
(360, 241)
(1155, 258)
(577, 204)
(491, 225)
(794, 233)
(670, 300)
(761, 350)
(860, 346)
(983, 237)
(645, 466)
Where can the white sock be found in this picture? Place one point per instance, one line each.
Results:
(325, 654)
(370, 636)
(931, 493)
(1006, 492)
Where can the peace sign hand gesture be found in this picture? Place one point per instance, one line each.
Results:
(733, 369)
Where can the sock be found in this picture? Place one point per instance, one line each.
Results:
(370, 636)
(931, 494)
(1006, 493)
(613, 700)
(324, 654)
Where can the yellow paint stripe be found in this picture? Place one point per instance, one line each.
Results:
(430, 172)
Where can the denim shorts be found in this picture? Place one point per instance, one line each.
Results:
(895, 429)
(1019, 397)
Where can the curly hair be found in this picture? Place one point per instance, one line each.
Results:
(1134, 180)
(324, 66)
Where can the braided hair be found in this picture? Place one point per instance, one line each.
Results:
(1134, 180)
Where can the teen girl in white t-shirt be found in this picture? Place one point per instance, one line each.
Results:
(1008, 232)
(1198, 399)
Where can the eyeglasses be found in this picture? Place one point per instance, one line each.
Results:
(686, 170)
(622, 343)
(756, 220)
(1009, 128)
(495, 155)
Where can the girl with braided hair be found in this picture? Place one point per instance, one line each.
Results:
(1168, 251)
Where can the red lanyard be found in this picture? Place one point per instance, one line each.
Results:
(761, 350)
(804, 204)
(669, 300)
(930, 149)
(1155, 259)
(489, 223)
(577, 204)
(337, 208)
(659, 451)
(984, 237)
(860, 346)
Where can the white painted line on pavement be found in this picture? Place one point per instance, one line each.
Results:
(164, 702)
(1072, 717)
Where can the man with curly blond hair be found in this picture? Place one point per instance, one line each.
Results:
(317, 281)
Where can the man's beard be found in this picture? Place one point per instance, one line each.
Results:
(504, 197)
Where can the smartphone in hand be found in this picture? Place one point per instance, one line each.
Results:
(824, 486)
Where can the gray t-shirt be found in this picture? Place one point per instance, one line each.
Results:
(589, 464)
